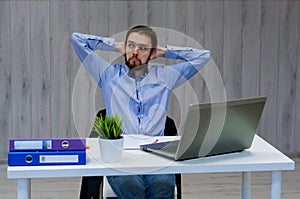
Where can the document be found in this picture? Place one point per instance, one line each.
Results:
(133, 141)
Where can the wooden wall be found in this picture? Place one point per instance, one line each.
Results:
(255, 45)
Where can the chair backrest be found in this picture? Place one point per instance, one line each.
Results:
(170, 127)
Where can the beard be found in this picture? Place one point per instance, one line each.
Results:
(134, 61)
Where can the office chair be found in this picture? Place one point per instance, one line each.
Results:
(91, 187)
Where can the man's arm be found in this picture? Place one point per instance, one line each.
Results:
(193, 60)
(192, 55)
(85, 45)
(196, 57)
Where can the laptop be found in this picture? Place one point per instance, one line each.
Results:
(213, 129)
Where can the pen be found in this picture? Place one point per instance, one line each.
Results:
(154, 141)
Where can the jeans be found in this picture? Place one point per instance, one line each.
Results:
(143, 186)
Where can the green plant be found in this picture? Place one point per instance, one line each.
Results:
(108, 127)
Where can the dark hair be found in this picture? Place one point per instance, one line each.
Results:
(142, 29)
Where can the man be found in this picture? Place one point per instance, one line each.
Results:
(139, 93)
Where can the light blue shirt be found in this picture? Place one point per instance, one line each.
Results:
(141, 102)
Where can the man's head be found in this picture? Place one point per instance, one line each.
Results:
(140, 45)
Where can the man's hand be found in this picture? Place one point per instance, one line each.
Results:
(120, 47)
(158, 52)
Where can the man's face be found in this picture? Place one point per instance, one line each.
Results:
(137, 49)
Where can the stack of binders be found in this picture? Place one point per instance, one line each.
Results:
(53, 151)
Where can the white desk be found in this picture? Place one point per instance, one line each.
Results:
(260, 157)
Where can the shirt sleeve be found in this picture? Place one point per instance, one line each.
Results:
(85, 46)
(192, 61)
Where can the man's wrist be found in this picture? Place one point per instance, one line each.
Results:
(161, 51)
(119, 47)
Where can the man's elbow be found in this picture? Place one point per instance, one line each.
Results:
(206, 54)
(74, 37)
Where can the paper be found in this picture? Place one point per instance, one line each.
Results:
(133, 141)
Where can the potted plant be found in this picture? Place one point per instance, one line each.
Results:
(109, 129)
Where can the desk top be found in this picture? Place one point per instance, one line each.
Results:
(260, 157)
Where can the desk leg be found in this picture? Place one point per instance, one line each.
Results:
(24, 188)
(246, 185)
(276, 185)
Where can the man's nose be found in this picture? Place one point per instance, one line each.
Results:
(136, 50)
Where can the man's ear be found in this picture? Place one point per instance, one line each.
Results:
(153, 54)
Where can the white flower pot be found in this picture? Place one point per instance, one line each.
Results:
(111, 150)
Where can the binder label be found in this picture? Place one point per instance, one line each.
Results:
(59, 159)
(32, 144)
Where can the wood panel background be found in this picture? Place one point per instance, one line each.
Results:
(255, 45)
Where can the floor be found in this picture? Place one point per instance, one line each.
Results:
(208, 186)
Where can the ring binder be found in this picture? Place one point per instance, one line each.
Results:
(46, 158)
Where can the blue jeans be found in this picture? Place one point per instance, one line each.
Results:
(143, 186)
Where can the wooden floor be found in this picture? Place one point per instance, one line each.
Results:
(208, 186)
